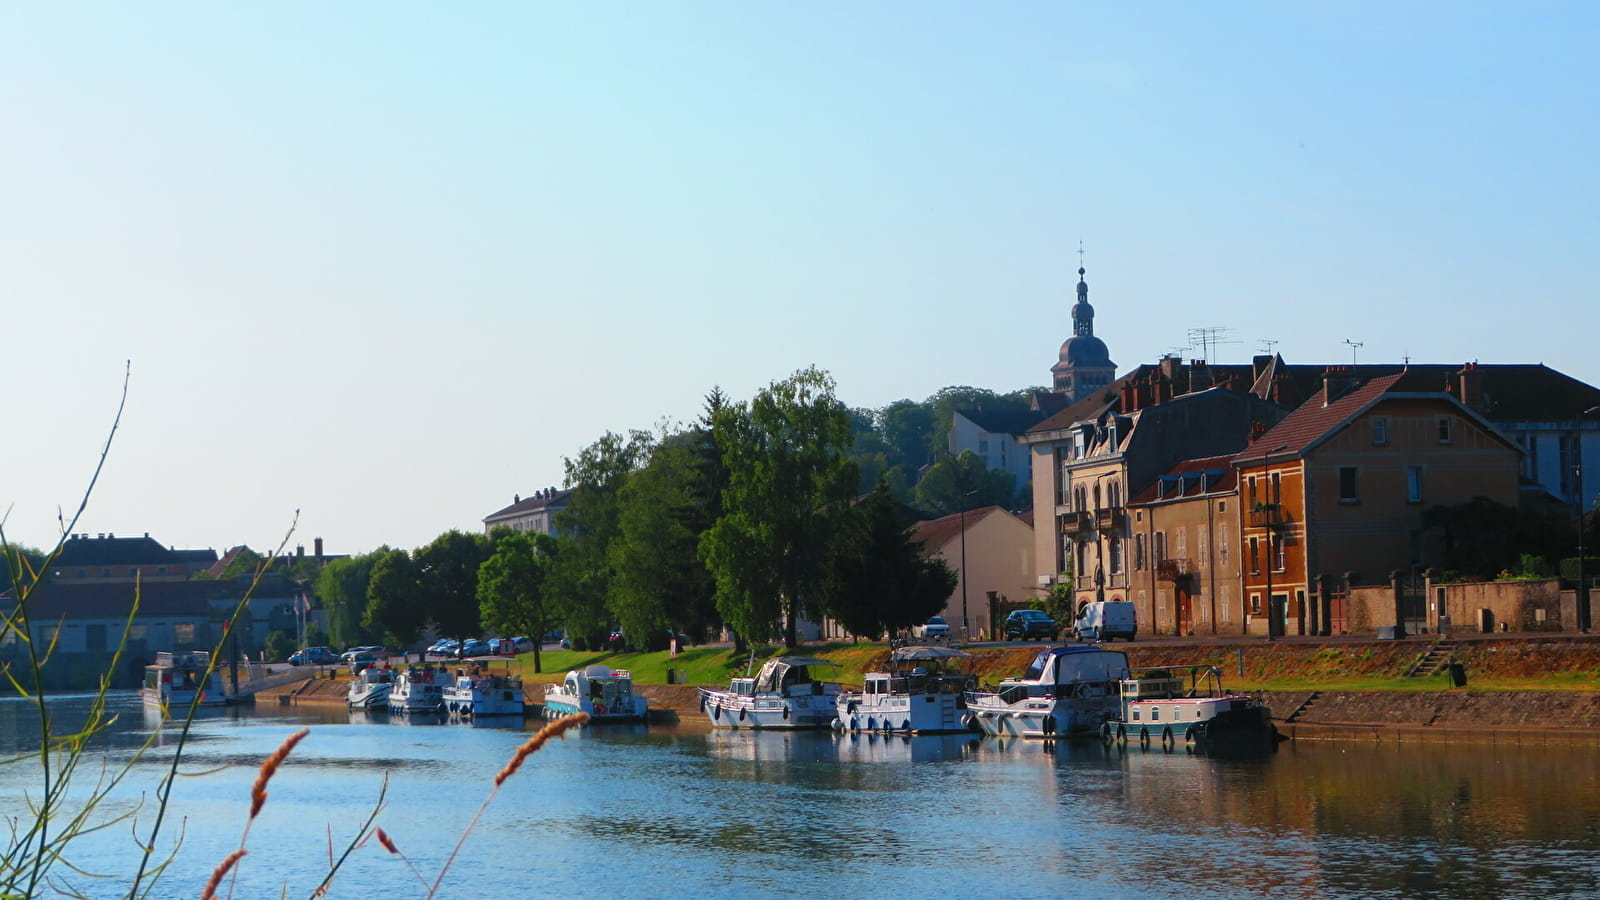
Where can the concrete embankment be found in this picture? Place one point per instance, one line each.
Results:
(1498, 717)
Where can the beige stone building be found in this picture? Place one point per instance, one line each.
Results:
(1184, 567)
(992, 553)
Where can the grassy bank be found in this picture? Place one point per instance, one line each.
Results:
(1524, 664)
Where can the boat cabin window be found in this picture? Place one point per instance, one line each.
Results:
(1136, 715)
(1036, 668)
(1155, 713)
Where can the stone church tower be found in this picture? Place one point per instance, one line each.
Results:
(1085, 365)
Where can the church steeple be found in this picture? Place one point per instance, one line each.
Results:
(1082, 312)
(1085, 365)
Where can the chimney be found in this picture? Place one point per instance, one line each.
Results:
(1170, 367)
(1257, 429)
(316, 548)
(516, 498)
(1336, 382)
(1469, 387)
(1199, 375)
(299, 552)
(1259, 364)
(1130, 397)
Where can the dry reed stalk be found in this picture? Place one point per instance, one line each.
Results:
(258, 791)
(210, 892)
(539, 739)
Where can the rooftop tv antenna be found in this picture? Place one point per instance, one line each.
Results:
(1267, 345)
(1207, 339)
(1354, 346)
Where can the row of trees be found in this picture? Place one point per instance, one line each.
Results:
(749, 518)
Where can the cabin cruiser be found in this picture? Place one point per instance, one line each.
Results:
(176, 679)
(783, 694)
(606, 694)
(920, 694)
(1161, 704)
(1066, 692)
(419, 689)
(370, 688)
(476, 693)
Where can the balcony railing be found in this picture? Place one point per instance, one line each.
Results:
(1108, 519)
(1265, 515)
(1173, 569)
(1075, 524)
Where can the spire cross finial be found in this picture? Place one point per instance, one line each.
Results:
(1080, 254)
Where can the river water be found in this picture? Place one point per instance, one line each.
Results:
(680, 811)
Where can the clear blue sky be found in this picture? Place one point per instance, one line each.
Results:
(388, 263)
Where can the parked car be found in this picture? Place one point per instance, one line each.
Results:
(476, 648)
(350, 654)
(445, 647)
(364, 659)
(1104, 620)
(1030, 624)
(522, 644)
(935, 629)
(313, 656)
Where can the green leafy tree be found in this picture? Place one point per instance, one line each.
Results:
(880, 580)
(447, 582)
(279, 645)
(511, 594)
(341, 585)
(581, 577)
(945, 403)
(393, 601)
(245, 562)
(659, 584)
(789, 483)
(965, 482)
(907, 430)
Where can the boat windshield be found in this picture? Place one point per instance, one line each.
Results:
(1036, 668)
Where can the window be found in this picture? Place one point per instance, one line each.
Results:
(1255, 556)
(1222, 543)
(1183, 543)
(1161, 546)
(1413, 484)
(1222, 506)
(1082, 558)
(1252, 483)
(1255, 604)
(183, 634)
(1138, 551)
(1444, 429)
(1348, 492)
(983, 447)
(1277, 488)
(1277, 553)
(1227, 604)
(1200, 545)
(1380, 429)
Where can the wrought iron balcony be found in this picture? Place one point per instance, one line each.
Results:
(1108, 519)
(1266, 515)
(1173, 569)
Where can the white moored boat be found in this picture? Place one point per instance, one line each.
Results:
(919, 694)
(1158, 706)
(1067, 692)
(370, 689)
(419, 689)
(782, 695)
(606, 694)
(476, 693)
(175, 679)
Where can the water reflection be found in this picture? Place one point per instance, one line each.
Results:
(680, 812)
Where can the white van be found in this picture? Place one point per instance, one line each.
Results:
(1105, 620)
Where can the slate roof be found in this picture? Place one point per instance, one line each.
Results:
(99, 600)
(1004, 421)
(1184, 480)
(109, 550)
(527, 505)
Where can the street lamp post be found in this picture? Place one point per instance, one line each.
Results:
(1580, 594)
(966, 624)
